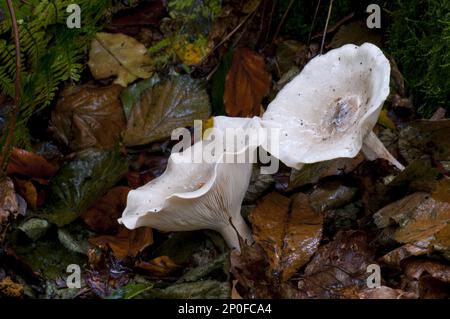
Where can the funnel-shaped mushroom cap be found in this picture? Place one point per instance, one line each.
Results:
(329, 108)
(191, 196)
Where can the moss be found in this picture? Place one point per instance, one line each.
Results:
(419, 40)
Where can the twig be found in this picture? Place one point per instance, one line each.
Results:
(282, 20)
(326, 26)
(313, 23)
(13, 120)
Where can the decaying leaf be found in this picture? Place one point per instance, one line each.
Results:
(127, 243)
(173, 103)
(29, 164)
(28, 191)
(102, 216)
(246, 84)
(80, 182)
(426, 278)
(312, 173)
(120, 55)
(423, 222)
(331, 195)
(337, 265)
(424, 138)
(382, 292)
(10, 289)
(9, 206)
(160, 266)
(288, 235)
(89, 116)
(249, 268)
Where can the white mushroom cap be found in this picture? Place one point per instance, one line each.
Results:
(190, 196)
(327, 110)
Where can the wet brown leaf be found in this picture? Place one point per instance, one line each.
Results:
(246, 83)
(127, 243)
(9, 206)
(89, 116)
(382, 292)
(331, 195)
(424, 138)
(424, 223)
(249, 268)
(312, 173)
(30, 164)
(289, 236)
(339, 264)
(428, 279)
(28, 191)
(120, 55)
(160, 266)
(102, 216)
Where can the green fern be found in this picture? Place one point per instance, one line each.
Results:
(51, 53)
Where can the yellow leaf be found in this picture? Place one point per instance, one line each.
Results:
(120, 55)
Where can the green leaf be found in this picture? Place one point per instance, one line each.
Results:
(129, 291)
(132, 94)
(80, 182)
(175, 102)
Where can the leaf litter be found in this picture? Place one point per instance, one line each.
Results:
(156, 66)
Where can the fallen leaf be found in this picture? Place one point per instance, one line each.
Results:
(28, 191)
(10, 289)
(102, 216)
(89, 116)
(288, 237)
(161, 266)
(382, 292)
(120, 55)
(80, 182)
(424, 138)
(146, 168)
(246, 83)
(422, 221)
(127, 243)
(249, 268)
(428, 279)
(9, 206)
(203, 289)
(234, 293)
(339, 264)
(173, 103)
(259, 184)
(29, 164)
(396, 256)
(331, 195)
(130, 21)
(312, 173)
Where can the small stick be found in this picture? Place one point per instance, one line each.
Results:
(326, 26)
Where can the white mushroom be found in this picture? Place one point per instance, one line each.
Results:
(331, 107)
(190, 196)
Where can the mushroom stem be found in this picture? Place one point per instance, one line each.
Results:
(230, 233)
(373, 148)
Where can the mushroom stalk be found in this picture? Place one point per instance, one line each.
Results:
(373, 148)
(235, 229)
